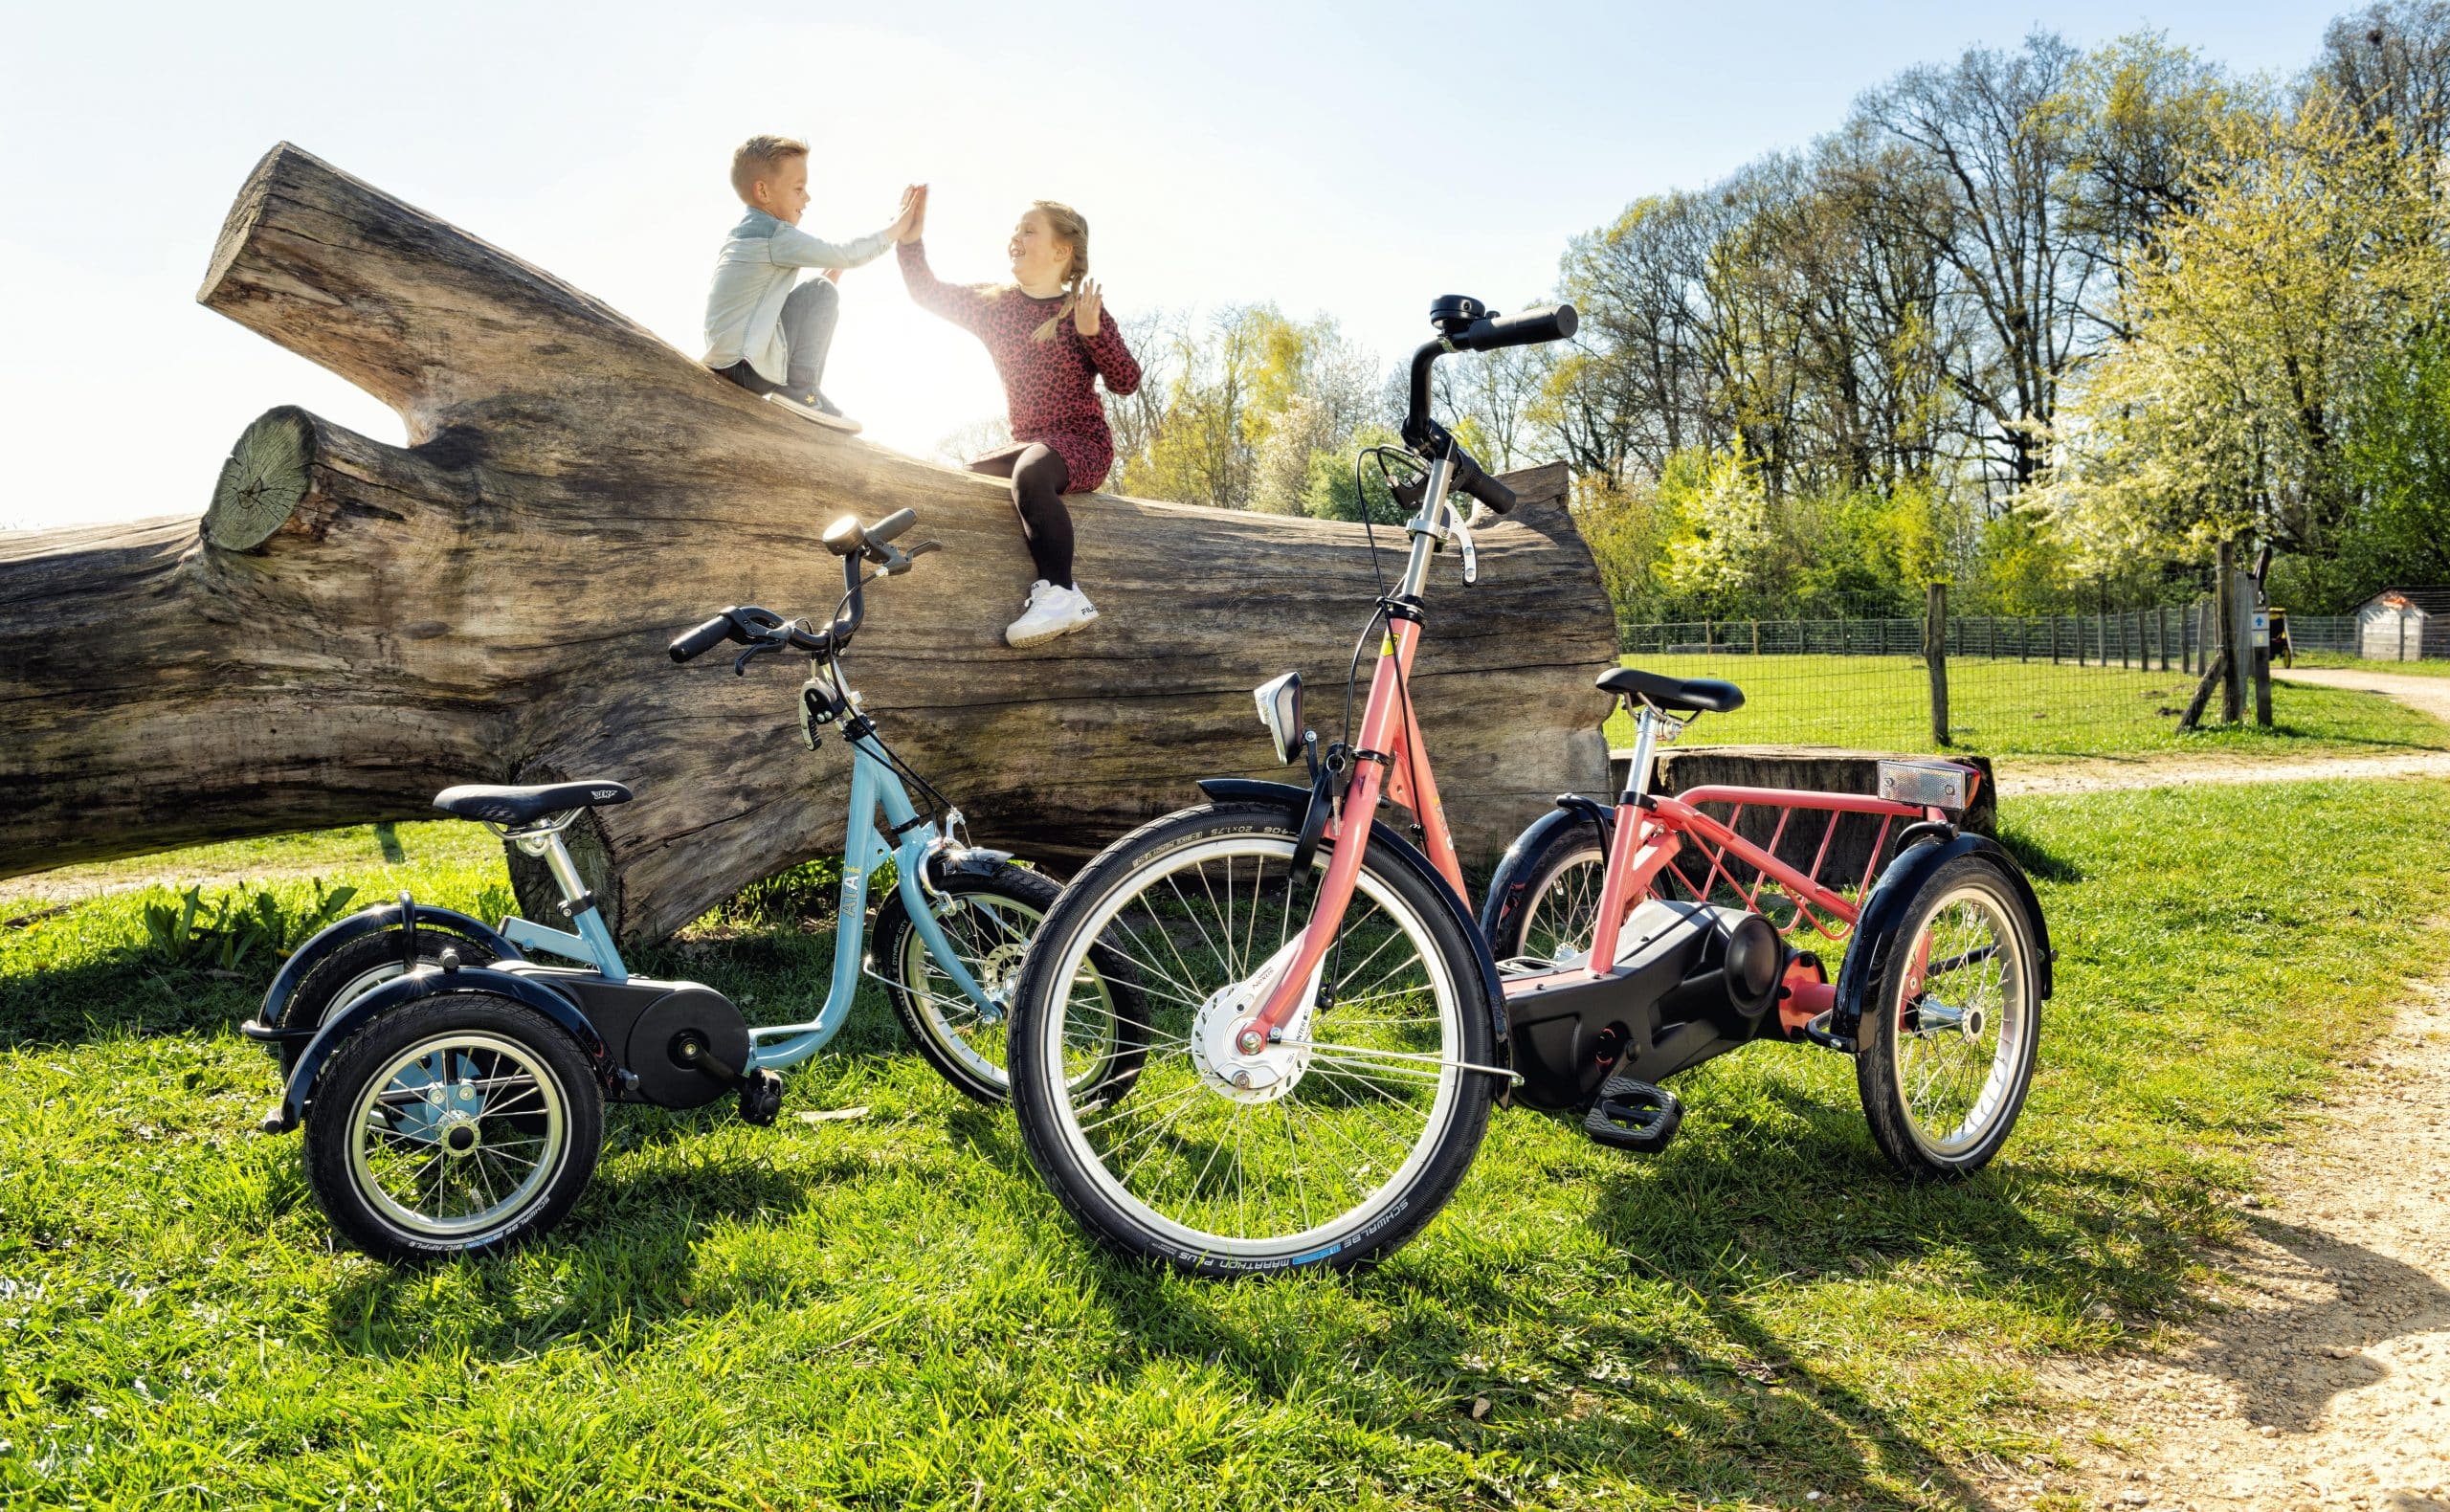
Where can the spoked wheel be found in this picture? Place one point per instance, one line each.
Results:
(1560, 909)
(989, 918)
(1946, 1049)
(454, 1125)
(1331, 1145)
(357, 969)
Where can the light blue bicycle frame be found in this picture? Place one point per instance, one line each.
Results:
(875, 790)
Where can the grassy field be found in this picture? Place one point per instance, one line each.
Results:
(2434, 668)
(2008, 708)
(888, 1310)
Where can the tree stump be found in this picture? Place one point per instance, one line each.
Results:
(352, 626)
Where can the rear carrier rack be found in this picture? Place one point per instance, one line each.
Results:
(1837, 840)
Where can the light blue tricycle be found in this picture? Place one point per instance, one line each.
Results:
(453, 1088)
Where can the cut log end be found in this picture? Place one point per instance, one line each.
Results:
(263, 480)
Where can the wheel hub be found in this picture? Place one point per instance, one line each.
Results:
(456, 1126)
(997, 973)
(1222, 1030)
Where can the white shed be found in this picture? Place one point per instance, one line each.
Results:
(2404, 624)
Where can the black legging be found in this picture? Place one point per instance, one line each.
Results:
(1039, 477)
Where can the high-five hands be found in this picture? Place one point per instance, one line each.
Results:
(1086, 306)
(912, 224)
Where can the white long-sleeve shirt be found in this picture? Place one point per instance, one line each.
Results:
(760, 259)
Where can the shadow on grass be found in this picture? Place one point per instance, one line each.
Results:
(2040, 863)
(121, 993)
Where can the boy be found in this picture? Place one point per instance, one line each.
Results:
(762, 333)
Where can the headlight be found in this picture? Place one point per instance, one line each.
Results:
(1281, 711)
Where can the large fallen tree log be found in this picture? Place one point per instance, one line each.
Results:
(352, 625)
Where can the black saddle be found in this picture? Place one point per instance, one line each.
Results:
(1698, 695)
(525, 805)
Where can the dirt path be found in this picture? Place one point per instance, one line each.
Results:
(2427, 695)
(2019, 775)
(2323, 1379)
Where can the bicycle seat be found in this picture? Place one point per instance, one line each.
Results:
(526, 804)
(1699, 695)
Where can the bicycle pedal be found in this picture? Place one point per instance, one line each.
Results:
(1634, 1116)
(761, 1099)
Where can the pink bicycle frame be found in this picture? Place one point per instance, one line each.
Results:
(1651, 830)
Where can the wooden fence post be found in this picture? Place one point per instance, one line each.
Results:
(1935, 655)
(2233, 687)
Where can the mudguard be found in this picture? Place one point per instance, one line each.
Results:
(1883, 913)
(1296, 802)
(423, 983)
(966, 860)
(357, 926)
(1513, 872)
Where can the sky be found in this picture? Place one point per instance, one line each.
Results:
(1349, 159)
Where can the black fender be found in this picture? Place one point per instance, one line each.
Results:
(357, 926)
(1296, 803)
(418, 985)
(1505, 887)
(1883, 913)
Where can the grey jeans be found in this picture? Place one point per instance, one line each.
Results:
(809, 313)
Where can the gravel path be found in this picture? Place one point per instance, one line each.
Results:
(2321, 1378)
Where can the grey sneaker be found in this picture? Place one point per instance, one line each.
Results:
(817, 408)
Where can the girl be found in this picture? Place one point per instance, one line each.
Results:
(1050, 339)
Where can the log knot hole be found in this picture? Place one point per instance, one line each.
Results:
(260, 485)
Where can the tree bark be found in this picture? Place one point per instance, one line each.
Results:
(352, 625)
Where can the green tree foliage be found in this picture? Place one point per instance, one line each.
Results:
(1248, 397)
(2038, 321)
(2311, 259)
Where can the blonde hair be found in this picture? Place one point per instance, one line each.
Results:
(758, 157)
(1068, 225)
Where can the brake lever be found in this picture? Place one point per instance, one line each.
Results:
(739, 663)
(1461, 529)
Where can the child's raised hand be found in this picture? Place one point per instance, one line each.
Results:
(830, 275)
(913, 221)
(1086, 306)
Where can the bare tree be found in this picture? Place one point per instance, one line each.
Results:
(2392, 62)
(1996, 145)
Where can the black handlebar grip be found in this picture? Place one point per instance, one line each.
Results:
(892, 525)
(703, 639)
(1522, 328)
(1487, 489)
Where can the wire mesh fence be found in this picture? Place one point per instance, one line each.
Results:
(2069, 683)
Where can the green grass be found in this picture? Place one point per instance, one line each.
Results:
(2008, 708)
(888, 1310)
(2436, 667)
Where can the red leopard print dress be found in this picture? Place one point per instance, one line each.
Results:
(1050, 387)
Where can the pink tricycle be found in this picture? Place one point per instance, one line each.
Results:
(1326, 1026)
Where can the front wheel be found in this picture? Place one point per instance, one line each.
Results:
(455, 1124)
(989, 919)
(1331, 1145)
(1946, 1049)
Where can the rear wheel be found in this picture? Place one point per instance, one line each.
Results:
(357, 969)
(454, 1125)
(1946, 1049)
(1330, 1145)
(1559, 913)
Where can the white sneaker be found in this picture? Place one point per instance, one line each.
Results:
(1051, 611)
(833, 419)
